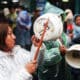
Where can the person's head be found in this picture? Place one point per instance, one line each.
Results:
(20, 8)
(7, 38)
(12, 9)
(77, 20)
(37, 12)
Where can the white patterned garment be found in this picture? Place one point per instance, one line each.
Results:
(12, 64)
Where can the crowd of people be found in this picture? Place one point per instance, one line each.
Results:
(18, 45)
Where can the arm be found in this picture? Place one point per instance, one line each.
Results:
(76, 33)
(25, 23)
(18, 67)
(76, 37)
(6, 73)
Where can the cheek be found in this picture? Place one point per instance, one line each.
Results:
(9, 41)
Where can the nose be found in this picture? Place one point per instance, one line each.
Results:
(13, 36)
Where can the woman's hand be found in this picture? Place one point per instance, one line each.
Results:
(31, 67)
(35, 41)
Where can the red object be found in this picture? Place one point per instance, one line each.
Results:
(70, 27)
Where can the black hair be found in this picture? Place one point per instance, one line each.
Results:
(2, 17)
(75, 17)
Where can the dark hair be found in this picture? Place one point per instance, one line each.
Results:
(3, 31)
(21, 7)
(3, 35)
(76, 16)
(2, 17)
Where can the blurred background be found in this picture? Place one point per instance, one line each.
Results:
(31, 4)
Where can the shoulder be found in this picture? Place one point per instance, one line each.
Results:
(19, 50)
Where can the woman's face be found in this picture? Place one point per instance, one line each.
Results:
(10, 39)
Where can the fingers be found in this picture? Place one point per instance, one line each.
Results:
(34, 62)
(35, 41)
(31, 67)
(35, 38)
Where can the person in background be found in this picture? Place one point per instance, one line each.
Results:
(75, 72)
(53, 65)
(76, 29)
(23, 37)
(12, 16)
(36, 14)
(69, 22)
(16, 63)
(19, 8)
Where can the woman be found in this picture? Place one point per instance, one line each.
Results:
(76, 30)
(15, 62)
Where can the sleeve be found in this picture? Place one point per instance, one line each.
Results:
(19, 74)
(76, 32)
(76, 37)
(29, 21)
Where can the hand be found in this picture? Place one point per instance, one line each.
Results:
(35, 41)
(31, 67)
(62, 49)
